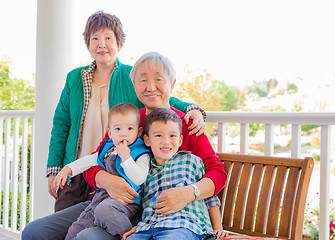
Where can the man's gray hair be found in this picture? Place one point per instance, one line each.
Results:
(152, 58)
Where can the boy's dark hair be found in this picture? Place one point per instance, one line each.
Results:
(162, 115)
(124, 108)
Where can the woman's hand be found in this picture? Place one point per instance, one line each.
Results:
(127, 234)
(173, 200)
(198, 126)
(51, 188)
(116, 186)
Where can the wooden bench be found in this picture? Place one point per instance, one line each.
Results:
(265, 196)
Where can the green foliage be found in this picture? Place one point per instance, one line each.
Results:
(254, 127)
(316, 157)
(15, 94)
(268, 88)
(292, 88)
(311, 220)
(277, 146)
(231, 96)
(198, 86)
(263, 88)
(308, 128)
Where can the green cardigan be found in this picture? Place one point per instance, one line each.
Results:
(67, 120)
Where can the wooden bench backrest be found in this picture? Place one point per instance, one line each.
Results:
(265, 196)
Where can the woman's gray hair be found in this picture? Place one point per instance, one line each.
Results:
(152, 58)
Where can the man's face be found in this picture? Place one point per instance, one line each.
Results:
(152, 85)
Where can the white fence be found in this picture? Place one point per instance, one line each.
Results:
(326, 120)
(16, 144)
(17, 127)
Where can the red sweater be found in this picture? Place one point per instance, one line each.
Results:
(199, 146)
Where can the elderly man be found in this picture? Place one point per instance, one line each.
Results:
(154, 77)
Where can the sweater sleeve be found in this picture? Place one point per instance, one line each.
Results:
(176, 103)
(201, 147)
(89, 175)
(60, 130)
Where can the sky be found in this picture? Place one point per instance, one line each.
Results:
(238, 41)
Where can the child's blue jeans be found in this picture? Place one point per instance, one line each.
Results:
(161, 233)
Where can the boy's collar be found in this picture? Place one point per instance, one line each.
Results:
(154, 163)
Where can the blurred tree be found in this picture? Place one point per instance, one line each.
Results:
(198, 86)
(292, 88)
(15, 94)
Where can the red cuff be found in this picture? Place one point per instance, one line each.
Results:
(89, 175)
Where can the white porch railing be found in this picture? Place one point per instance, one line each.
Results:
(296, 120)
(13, 180)
(17, 127)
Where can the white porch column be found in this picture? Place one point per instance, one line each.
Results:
(53, 61)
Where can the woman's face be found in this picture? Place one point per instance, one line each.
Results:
(152, 85)
(103, 47)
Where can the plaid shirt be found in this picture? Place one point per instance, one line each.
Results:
(181, 170)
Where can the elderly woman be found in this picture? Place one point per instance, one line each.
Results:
(80, 119)
(154, 78)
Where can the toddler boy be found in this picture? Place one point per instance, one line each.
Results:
(123, 154)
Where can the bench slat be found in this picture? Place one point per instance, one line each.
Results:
(255, 186)
(276, 199)
(288, 202)
(264, 198)
(231, 193)
(242, 195)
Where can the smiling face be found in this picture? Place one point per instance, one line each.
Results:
(124, 126)
(152, 85)
(103, 47)
(164, 140)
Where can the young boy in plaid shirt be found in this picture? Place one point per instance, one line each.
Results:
(170, 168)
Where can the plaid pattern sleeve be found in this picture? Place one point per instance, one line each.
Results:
(212, 201)
(181, 170)
(53, 171)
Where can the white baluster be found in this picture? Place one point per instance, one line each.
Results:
(324, 182)
(268, 143)
(244, 138)
(296, 141)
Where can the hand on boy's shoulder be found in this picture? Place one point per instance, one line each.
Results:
(123, 150)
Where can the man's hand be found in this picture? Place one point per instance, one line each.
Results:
(198, 126)
(51, 188)
(123, 150)
(116, 186)
(173, 200)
